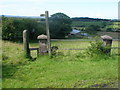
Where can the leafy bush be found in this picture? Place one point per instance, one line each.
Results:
(92, 29)
(4, 56)
(97, 48)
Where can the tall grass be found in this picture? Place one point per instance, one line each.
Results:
(67, 70)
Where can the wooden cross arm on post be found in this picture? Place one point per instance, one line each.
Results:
(46, 15)
(42, 15)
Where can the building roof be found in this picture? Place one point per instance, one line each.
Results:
(74, 31)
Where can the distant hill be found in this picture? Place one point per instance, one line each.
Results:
(90, 19)
(21, 16)
(74, 18)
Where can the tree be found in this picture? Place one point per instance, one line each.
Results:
(92, 29)
(60, 25)
(7, 28)
(104, 24)
(12, 28)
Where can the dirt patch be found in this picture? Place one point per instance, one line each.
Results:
(108, 85)
(94, 84)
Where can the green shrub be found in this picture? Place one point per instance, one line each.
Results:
(97, 49)
(4, 56)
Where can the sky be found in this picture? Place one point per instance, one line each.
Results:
(107, 9)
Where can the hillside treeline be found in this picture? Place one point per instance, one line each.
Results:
(12, 27)
(60, 26)
(89, 19)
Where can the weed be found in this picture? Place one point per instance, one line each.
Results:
(97, 49)
(4, 56)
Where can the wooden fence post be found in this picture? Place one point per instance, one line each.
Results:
(26, 43)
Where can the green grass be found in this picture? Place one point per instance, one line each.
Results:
(114, 25)
(0, 54)
(88, 23)
(68, 70)
(0, 64)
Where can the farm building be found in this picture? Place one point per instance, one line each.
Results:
(77, 33)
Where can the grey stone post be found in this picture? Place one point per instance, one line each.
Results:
(107, 41)
(42, 44)
(26, 43)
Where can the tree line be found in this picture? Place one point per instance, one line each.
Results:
(60, 26)
(12, 27)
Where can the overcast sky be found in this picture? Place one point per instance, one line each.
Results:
(74, 8)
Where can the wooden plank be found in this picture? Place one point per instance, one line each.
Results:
(84, 48)
(74, 49)
(34, 48)
(79, 39)
(115, 48)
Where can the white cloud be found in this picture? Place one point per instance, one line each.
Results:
(54, 1)
(69, 7)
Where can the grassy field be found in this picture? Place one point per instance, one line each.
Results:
(114, 35)
(70, 69)
(88, 23)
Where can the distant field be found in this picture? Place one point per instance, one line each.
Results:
(104, 26)
(88, 23)
(114, 35)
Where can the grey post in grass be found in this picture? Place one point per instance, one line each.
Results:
(48, 33)
(26, 43)
(42, 44)
(107, 41)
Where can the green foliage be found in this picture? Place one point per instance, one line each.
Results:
(97, 50)
(60, 25)
(71, 71)
(86, 23)
(92, 29)
(12, 28)
(4, 57)
(7, 28)
(113, 27)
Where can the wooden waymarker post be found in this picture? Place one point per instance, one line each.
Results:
(26, 43)
(48, 33)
